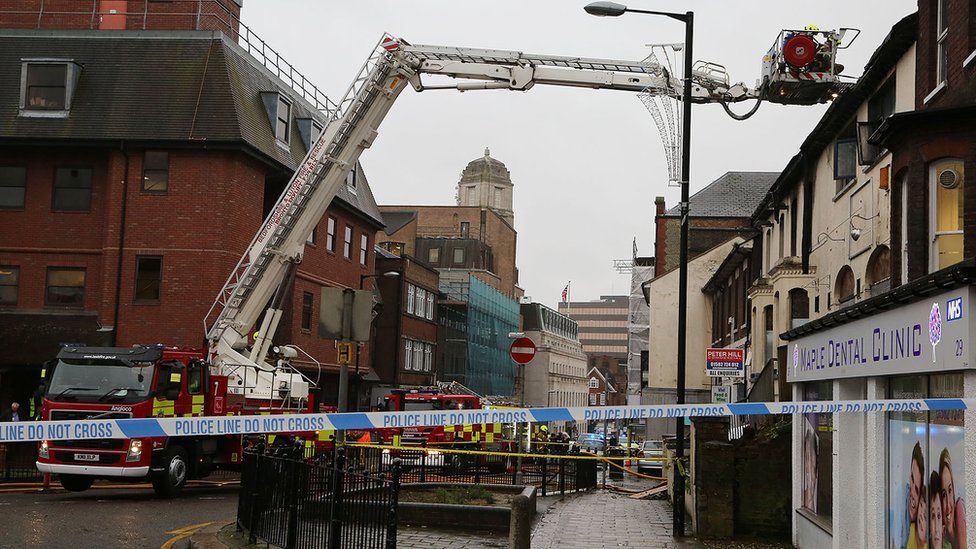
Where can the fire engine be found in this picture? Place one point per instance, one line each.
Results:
(237, 378)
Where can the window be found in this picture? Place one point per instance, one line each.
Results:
(880, 106)
(845, 162)
(194, 380)
(363, 247)
(155, 172)
(315, 133)
(313, 236)
(9, 281)
(922, 474)
(283, 122)
(459, 256)
(782, 235)
(149, 277)
(770, 334)
(879, 266)
(351, 179)
(347, 243)
(818, 453)
(72, 190)
(13, 185)
(844, 288)
(418, 356)
(428, 356)
(799, 307)
(594, 383)
(465, 229)
(65, 287)
(46, 87)
(498, 197)
(946, 189)
(942, 49)
(430, 306)
(794, 221)
(330, 235)
(307, 301)
(410, 296)
(407, 355)
(434, 255)
(421, 302)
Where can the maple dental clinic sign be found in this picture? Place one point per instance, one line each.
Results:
(929, 335)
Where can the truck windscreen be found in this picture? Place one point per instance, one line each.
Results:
(420, 405)
(100, 381)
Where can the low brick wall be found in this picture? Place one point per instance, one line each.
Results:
(443, 515)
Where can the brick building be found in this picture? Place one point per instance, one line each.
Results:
(169, 145)
(405, 340)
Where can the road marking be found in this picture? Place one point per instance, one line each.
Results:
(183, 532)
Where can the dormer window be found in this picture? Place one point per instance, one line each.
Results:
(351, 178)
(309, 130)
(279, 114)
(47, 87)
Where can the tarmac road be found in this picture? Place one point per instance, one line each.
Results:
(126, 518)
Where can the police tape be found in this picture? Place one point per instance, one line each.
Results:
(87, 429)
(441, 451)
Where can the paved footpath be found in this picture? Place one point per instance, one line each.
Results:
(604, 519)
(410, 537)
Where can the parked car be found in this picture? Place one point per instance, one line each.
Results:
(651, 449)
(590, 442)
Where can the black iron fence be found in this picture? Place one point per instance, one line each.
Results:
(550, 473)
(298, 504)
(17, 462)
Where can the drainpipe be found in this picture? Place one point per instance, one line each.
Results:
(118, 267)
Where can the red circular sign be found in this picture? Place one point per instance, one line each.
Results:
(523, 349)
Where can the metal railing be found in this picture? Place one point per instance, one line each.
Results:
(17, 462)
(181, 14)
(296, 504)
(549, 472)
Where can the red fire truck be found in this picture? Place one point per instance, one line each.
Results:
(143, 382)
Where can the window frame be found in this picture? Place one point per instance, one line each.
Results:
(156, 170)
(308, 306)
(282, 100)
(941, 46)
(15, 271)
(411, 290)
(363, 249)
(22, 187)
(330, 233)
(430, 306)
(159, 281)
(407, 354)
(47, 286)
(454, 255)
(934, 233)
(35, 110)
(843, 180)
(55, 187)
(434, 255)
(347, 242)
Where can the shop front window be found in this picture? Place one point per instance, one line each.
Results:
(926, 467)
(818, 453)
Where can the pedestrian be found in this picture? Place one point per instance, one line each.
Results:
(13, 414)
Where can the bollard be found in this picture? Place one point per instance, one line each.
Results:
(520, 524)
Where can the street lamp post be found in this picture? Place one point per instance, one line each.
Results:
(612, 9)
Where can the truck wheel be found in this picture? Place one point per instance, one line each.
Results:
(169, 482)
(75, 483)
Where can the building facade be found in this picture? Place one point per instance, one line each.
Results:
(405, 340)
(556, 376)
(135, 167)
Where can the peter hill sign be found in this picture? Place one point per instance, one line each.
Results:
(930, 335)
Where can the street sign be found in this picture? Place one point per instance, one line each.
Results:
(344, 350)
(523, 349)
(720, 394)
(724, 362)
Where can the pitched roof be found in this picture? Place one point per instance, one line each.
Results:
(735, 194)
(397, 220)
(196, 88)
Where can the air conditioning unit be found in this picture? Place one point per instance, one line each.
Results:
(949, 179)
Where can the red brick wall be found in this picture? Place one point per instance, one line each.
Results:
(394, 324)
(961, 41)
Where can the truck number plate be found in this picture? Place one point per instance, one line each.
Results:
(86, 457)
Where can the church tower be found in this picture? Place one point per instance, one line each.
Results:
(486, 182)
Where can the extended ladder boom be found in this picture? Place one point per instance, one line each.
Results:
(272, 256)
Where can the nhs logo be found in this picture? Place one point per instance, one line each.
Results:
(954, 309)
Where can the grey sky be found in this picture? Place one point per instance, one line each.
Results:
(586, 164)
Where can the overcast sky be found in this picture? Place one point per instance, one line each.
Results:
(586, 164)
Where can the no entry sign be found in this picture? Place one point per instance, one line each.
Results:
(523, 349)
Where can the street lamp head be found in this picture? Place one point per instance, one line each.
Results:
(605, 9)
(391, 274)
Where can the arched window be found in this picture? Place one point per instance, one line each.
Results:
(844, 288)
(799, 307)
(946, 179)
(879, 266)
